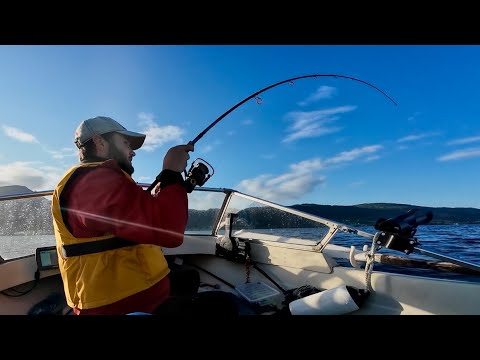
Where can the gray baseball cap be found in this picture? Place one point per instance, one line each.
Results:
(101, 125)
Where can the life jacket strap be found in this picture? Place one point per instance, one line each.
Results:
(92, 247)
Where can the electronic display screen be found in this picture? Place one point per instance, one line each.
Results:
(47, 258)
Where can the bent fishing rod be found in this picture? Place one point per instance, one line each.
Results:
(199, 172)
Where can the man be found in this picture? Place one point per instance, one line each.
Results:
(109, 231)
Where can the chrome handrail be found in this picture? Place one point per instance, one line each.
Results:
(27, 195)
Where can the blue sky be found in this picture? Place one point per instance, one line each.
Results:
(324, 140)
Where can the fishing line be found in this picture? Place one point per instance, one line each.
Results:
(203, 169)
(291, 81)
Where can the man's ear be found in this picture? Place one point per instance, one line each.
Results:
(98, 141)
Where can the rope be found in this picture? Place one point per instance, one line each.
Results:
(369, 263)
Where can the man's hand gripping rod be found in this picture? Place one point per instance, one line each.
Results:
(198, 174)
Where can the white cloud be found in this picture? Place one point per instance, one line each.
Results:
(209, 147)
(347, 156)
(308, 165)
(415, 137)
(309, 124)
(206, 148)
(281, 188)
(146, 117)
(466, 140)
(302, 178)
(414, 117)
(19, 135)
(323, 92)
(356, 184)
(158, 135)
(460, 155)
(200, 200)
(34, 175)
(372, 158)
(62, 153)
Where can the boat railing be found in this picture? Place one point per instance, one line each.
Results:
(26, 195)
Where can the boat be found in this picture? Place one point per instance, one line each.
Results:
(234, 241)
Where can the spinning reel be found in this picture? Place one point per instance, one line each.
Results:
(198, 174)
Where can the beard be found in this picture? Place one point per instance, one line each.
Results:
(121, 159)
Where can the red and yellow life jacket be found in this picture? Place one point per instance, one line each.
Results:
(101, 278)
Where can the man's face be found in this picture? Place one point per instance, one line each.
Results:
(119, 150)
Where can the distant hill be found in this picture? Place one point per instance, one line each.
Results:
(356, 215)
(13, 189)
(368, 214)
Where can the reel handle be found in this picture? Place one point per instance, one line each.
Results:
(198, 174)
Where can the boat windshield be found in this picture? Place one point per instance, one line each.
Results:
(279, 223)
(25, 224)
(26, 221)
(203, 211)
